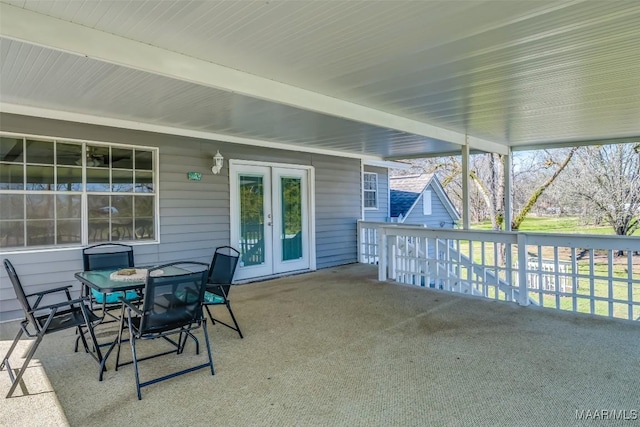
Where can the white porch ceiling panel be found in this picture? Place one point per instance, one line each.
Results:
(506, 73)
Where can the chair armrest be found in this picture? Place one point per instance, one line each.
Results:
(130, 306)
(60, 304)
(49, 291)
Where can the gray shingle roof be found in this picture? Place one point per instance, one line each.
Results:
(405, 190)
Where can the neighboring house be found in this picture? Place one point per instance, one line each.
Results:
(420, 199)
(409, 199)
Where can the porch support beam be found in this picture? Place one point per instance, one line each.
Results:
(34, 28)
(466, 198)
(508, 208)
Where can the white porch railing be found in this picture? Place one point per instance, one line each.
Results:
(587, 274)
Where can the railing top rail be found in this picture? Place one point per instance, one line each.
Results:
(452, 234)
(586, 241)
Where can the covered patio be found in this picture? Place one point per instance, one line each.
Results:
(338, 347)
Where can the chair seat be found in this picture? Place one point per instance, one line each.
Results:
(114, 297)
(66, 319)
(211, 298)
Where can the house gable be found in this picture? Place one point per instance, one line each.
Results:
(407, 199)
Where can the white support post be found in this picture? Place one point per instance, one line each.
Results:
(508, 209)
(466, 198)
(523, 291)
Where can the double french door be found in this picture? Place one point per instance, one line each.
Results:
(270, 218)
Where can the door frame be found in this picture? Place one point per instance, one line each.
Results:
(234, 206)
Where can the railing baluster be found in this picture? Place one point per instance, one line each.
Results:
(592, 273)
(610, 281)
(566, 280)
(630, 285)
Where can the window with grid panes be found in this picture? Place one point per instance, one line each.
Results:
(370, 190)
(56, 193)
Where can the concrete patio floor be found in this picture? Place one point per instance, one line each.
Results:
(338, 348)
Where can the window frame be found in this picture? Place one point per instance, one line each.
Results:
(84, 192)
(374, 191)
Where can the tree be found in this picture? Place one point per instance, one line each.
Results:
(533, 176)
(608, 178)
(558, 167)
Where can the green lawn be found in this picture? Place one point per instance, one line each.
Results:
(620, 288)
(567, 224)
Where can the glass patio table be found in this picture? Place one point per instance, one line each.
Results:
(108, 281)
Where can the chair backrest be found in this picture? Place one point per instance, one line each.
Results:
(17, 287)
(106, 256)
(174, 298)
(223, 267)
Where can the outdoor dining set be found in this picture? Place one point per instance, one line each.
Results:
(159, 301)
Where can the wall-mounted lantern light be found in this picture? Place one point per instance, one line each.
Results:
(217, 163)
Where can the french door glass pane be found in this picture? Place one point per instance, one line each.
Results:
(252, 220)
(291, 218)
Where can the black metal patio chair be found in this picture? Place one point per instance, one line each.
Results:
(221, 272)
(42, 320)
(105, 256)
(172, 305)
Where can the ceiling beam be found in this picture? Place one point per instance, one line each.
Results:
(34, 28)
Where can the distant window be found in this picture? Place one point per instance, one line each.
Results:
(370, 190)
(426, 202)
(65, 193)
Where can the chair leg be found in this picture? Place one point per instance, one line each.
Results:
(135, 364)
(32, 350)
(206, 338)
(92, 335)
(234, 319)
(119, 340)
(13, 346)
(213, 320)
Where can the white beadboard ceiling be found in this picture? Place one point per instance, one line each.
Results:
(378, 80)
